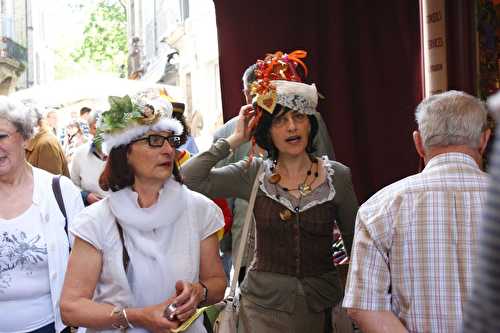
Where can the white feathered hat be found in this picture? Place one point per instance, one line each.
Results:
(128, 119)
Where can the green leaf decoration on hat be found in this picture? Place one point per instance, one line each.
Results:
(98, 139)
(121, 114)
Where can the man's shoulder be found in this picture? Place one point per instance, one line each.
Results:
(226, 129)
(48, 140)
(404, 191)
(82, 150)
(390, 193)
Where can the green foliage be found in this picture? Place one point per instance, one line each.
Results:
(105, 37)
(121, 114)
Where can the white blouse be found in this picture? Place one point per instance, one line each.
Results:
(163, 242)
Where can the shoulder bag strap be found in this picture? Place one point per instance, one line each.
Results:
(244, 233)
(56, 188)
(126, 258)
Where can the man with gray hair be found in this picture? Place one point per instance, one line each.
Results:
(415, 241)
(43, 149)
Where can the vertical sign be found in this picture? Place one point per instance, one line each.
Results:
(434, 46)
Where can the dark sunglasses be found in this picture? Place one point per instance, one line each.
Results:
(157, 141)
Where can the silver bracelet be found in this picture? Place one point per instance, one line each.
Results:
(119, 314)
(126, 319)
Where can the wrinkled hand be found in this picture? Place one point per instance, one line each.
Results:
(188, 297)
(154, 321)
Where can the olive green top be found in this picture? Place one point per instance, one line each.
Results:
(271, 289)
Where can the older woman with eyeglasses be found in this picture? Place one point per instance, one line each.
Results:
(151, 243)
(34, 245)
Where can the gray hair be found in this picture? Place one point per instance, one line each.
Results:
(21, 117)
(93, 117)
(451, 118)
(249, 76)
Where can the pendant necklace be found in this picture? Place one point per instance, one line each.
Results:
(304, 188)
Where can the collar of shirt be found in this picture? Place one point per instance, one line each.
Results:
(450, 158)
(93, 150)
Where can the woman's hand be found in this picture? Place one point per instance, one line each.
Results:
(93, 198)
(152, 317)
(242, 131)
(189, 295)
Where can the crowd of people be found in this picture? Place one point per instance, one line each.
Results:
(114, 225)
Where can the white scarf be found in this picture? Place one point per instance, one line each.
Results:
(148, 234)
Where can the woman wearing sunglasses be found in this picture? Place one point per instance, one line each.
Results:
(149, 244)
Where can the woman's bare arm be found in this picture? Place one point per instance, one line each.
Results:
(211, 275)
(77, 307)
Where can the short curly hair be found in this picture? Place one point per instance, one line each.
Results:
(262, 133)
(22, 117)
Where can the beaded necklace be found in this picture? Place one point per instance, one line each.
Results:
(303, 188)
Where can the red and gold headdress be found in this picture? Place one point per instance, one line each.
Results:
(277, 66)
(277, 82)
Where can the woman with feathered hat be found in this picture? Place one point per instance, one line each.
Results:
(151, 244)
(292, 283)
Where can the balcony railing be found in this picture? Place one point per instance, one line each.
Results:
(11, 49)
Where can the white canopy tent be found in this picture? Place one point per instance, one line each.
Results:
(95, 90)
(67, 97)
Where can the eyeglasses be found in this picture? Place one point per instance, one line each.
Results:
(157, 141)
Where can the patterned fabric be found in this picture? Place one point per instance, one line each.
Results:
(482, 314)
(415, 244)
(297, 103)
(84, 126)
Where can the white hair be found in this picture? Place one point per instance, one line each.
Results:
(451, 118)
(93, 117)
(22, 117)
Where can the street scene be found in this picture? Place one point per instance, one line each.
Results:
(221, 166)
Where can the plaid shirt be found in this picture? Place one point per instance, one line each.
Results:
(415, 244)
(84, 126)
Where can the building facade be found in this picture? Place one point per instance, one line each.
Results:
(25, 56)
(175, 42)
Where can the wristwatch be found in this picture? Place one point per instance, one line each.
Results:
(205, 292)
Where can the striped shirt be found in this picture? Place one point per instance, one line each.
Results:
(482, 313)
(415, 244)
